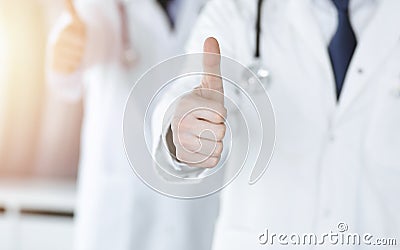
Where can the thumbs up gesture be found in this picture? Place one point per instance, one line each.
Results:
(198, 124)
(69, 47)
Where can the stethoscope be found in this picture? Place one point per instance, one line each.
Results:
(129, 56)
(261, 73)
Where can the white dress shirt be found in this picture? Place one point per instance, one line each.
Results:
(361, 11)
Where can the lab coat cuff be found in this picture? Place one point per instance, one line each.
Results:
(69, 87)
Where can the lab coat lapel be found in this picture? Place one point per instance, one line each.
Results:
(305, 25)
(374, 46)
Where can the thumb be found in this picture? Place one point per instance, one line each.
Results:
(69, 4)
(211, 66)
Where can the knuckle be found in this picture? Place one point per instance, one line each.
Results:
(223, 131)
(221, 110)
(212, 162)
(220, 132)
(224, 112)
(218, 149)
(214, 116)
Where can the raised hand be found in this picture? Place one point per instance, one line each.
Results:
(198, 126)
(68, 50)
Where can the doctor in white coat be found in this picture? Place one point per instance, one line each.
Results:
(336, 165)
(96, 52)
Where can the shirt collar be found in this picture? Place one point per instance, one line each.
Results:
(354, 4)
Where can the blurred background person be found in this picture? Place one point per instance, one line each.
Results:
(96, 52)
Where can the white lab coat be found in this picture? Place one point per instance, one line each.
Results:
(114, 209)
(333, 162)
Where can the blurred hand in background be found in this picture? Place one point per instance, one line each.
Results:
(69, 48)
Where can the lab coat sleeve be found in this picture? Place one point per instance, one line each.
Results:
(215, 21)
(97, 20)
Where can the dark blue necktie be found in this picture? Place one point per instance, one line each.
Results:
(342, 45)
(169, 6)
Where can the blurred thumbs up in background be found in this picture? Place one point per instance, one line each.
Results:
(69, 47)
